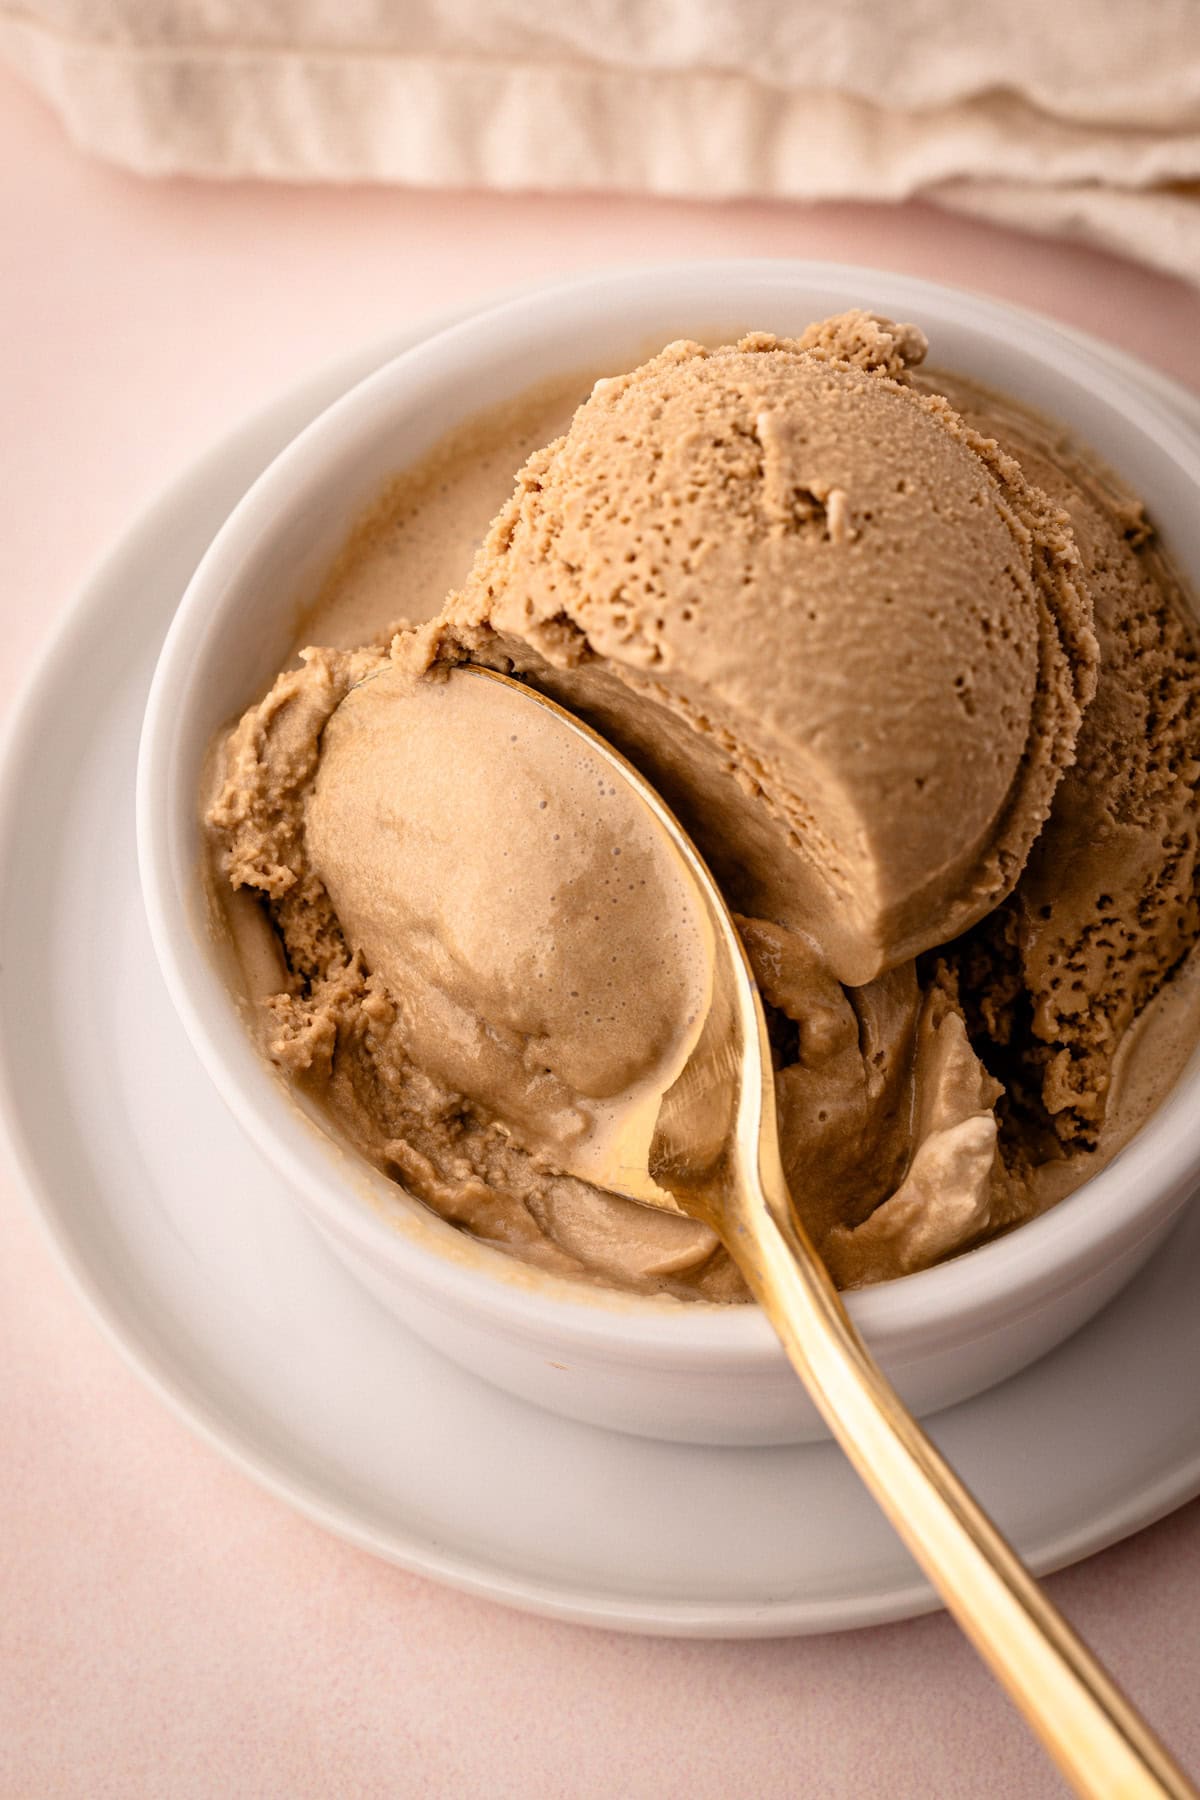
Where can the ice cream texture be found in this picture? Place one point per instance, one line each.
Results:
(918, 681)
(558, 975)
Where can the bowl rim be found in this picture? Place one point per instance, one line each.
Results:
(985, 1287)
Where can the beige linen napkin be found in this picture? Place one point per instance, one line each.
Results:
(1081, 117)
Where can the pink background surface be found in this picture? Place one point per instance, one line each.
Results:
(165, 1628)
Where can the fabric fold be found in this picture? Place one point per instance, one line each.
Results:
(1094, 133)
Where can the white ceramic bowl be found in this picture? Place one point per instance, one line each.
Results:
(699, 1373)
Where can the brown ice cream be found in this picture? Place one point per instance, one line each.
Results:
(851, 641)
(1108, 908)
(833, 622)
(547, 959)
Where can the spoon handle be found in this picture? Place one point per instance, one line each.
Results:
(1098, 1740)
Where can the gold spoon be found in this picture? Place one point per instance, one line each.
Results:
(715, 1157)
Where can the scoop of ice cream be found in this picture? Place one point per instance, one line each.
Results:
(833, 623)
(1108, 908)
(544, 945)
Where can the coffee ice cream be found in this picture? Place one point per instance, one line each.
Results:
(1108, 908)
(832, 621)
(882, 667)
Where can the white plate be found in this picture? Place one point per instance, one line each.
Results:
(191, 1254)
